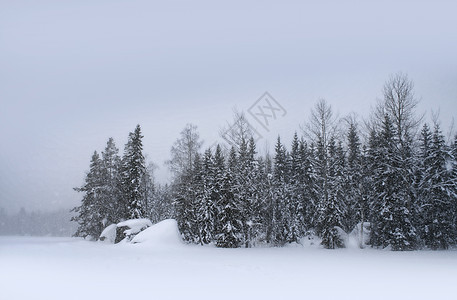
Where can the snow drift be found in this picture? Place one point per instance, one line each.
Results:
(164, 233)
(142, 231)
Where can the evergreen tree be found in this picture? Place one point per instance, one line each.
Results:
(252, 204)
(365, 193)
(231, 226)
(133, 172)
(188, 194)
(268, 207)
(112, 192)
(218, 181)
(206, 202)
(396, 228)
(308, 185)
(422, 185)
(90, 216)
(356, 206)
(332, 211)
(296, 209)
(280, 220)
(438, 193)
(371, 187)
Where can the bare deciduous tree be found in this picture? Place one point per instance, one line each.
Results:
(400, 104)
(322, 124)
(239, 130)
(184, 150)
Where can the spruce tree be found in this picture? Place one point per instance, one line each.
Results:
(437, 194)
(280, 217)
(356, 207)
(308, 186)
(332, 210)
(90, 216)
(206, 202)
(268, 207)
(396, 228)
(422, 184)
(112, 192)
(217, 194)
(371, 187)
(230, 221)
(252, 207)
(296, 209)
(133, 172)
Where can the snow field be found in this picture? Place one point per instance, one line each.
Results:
(161, 267)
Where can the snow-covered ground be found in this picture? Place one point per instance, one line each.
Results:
(69, 268)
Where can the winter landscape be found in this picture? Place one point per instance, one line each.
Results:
(57, 268)
(261, 150)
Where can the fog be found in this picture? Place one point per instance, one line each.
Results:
(74, 73)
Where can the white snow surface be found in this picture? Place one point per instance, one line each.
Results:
(162, 234)
(71, 268)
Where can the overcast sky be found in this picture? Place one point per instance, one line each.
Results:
(74, 73)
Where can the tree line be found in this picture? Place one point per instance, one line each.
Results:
(395, 175)
(400, 182)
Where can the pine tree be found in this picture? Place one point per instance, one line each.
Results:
(296, 209)
(356, 206)
(206, 202)
(252, 207)
(332, 210)
(217, 194)
(133, 172)
(422, 185)
(280, 217)
(112, 193)
(188, 194)
(231, 226)
(395, 221)
(268, 207)
(308, 185)
(371, 188)
(90, 216)
(437, 194)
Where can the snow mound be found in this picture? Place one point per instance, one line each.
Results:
(164, 233)
(109, 234)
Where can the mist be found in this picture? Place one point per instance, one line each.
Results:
(74, 74)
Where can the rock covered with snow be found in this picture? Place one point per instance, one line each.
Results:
(135, 231)
(134, 226)
(125, 230)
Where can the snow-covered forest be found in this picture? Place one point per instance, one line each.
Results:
(235, 150)
(390, 173)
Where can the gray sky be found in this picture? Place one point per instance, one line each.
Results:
(74, 73)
